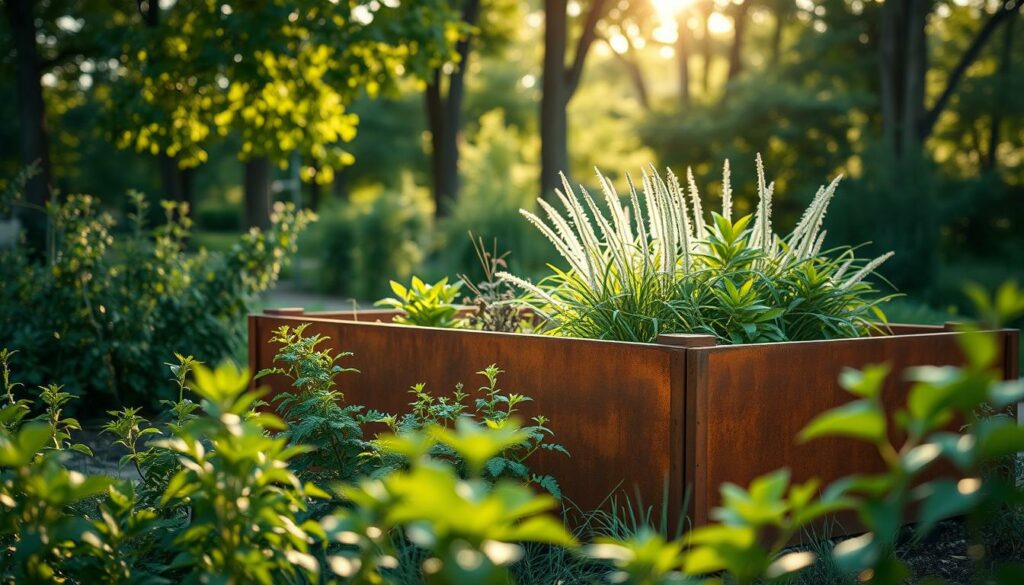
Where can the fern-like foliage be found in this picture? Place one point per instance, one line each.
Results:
(659, 264)
(314, 413)
(492, 408)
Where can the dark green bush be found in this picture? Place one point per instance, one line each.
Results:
(101, 312)
(364, 242)
(219, 216)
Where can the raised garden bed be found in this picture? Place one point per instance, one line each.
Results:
(682, 414)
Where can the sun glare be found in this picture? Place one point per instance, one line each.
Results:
(668, 9)
(667, 13)
(719, 23)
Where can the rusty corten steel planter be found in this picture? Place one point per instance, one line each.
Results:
(682, 413)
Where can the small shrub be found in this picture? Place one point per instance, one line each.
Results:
(492, 409)
(314, 413)
(658, 266)
(426, 305)
(115, 306)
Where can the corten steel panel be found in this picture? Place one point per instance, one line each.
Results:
(617, 407)
(636, 415)
(747, 404)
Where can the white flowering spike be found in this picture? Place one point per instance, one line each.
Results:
(726, 191)
(655, 234)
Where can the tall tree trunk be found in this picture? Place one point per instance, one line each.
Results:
(316, 190)
(902, 62)
(444, 118)
(34, 138)
(554, 123)
(170, 178)
(559, 85)
(341, 185)
(188, 191)
(444, 158)
(1005, 66)
(636, 75)
(683, 40)
(916, 69)
(739, 27)
(257, 192)
(780, 23)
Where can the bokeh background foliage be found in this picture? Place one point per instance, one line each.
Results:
(409, 123)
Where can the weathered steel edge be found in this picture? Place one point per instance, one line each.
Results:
(905, 329)
(688, 440)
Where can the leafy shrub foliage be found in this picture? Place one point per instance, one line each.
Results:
(234, 510)
(427, 305)
(317, 417)
(314, 412)
(492, 409)
(107, 309)
(658, 265)
(371, 235)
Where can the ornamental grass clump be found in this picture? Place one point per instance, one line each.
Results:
(659, 264)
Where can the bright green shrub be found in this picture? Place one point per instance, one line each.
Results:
(36, 490)
(104, 308)
(244, 503)
(426, 305)
(492, 409)
(470, 528)
(657, 265)
(313, 409)
(374, 236)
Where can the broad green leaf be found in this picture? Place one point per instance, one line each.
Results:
(946, 498)
(866, 383)
(859, 420)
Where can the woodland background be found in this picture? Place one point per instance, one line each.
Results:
(406, 124)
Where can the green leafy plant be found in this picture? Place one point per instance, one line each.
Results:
(242, 498)
(314, 413)
(657, 265)
(975, 394)
(492, 409)
(54, 399)
(36, 490)
(14, 409)
(426, 305)
(469, 528)
(120, 300)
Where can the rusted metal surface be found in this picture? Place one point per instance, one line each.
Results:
(611, 404)
(747, 403)
(638, 417)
